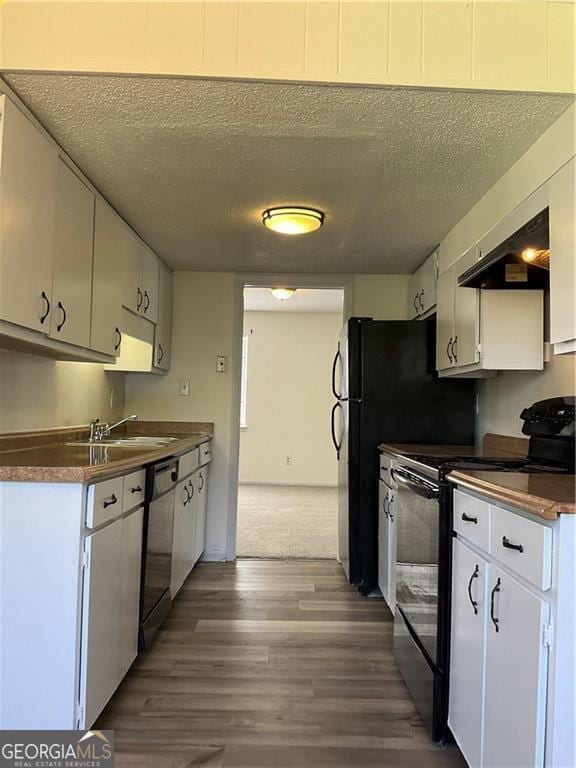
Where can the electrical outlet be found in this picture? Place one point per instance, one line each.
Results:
(221, 364)
(288, 460)
(184, 387)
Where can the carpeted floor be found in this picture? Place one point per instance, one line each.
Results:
(287, 521)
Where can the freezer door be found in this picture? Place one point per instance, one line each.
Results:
(342, 365)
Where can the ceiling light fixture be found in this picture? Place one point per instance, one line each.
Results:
(283, 293)
(293, 221)
(529, 254)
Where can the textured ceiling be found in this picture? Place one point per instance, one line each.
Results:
(304, 300)
(191, 164)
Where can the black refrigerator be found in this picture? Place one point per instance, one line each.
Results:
(387, 391)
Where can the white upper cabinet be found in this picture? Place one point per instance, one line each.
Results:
(140, 277)
(422, 290)
(72, 273)
(131, 263)
(562, 196)
(28, 178)
(482, 332)
(150, 278)
(106, 284)
(163, 334)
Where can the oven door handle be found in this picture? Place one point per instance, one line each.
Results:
(415, 484)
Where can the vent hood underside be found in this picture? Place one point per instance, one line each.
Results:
(507, 267)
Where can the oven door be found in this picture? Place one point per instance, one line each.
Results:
(417, 532)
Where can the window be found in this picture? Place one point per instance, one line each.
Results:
(244, 380)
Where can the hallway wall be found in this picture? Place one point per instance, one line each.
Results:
(289, 398)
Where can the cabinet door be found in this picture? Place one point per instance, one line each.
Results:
(427, 291)
(101, 602)
(413, 292)
(391, 599)
(516, 672)
(150, 278)
(132, 249)
(383, 539)
(445, 319)
(178, 544)
(467, 656)
(28, 172)
(130, 570)
(109, 231)
(562, 191)
(201, 512)
(72, 272)
(163, 332)
(190, 523)
(466, 315)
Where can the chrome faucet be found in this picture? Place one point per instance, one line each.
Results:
(101, 431)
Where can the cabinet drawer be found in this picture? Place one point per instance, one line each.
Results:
(104, 501)
(134, 486)
(472, 519)
(188, 463)
(205, 453)
(524, 546)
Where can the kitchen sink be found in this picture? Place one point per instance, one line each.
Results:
(139, 441)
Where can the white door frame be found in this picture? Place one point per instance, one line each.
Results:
(344, 282)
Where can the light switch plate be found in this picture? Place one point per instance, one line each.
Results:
(221, 364)
(184, 387)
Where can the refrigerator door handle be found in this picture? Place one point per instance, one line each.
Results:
(337, 445)
(337, 356)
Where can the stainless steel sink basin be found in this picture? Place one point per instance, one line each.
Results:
(139, 441)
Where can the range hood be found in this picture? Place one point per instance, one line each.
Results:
(522, 261)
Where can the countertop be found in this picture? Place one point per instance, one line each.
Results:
(544, 495)
(46, 457)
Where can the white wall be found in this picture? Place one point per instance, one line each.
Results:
(289, 398)
(502, 398)
(383, 297)
(202, 329)
(38, 393)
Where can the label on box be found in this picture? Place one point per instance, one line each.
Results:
(516, 273)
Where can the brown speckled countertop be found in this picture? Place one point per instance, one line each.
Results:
(544, 495)
(496, 446)
(46, 457)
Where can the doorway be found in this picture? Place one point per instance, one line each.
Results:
(287, 489)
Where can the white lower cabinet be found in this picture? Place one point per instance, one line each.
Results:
(500, 637)
(467, 655)
(100, 612)
(387, 545)
(110, 611)
(201, 486)
(516, 671)
(130, 570)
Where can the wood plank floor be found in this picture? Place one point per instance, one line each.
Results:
(265, 664)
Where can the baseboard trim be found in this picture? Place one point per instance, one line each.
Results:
(213, 556)
(297, 483)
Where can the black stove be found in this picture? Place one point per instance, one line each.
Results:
(445, 464)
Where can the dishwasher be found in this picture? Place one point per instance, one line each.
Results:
(155, 599)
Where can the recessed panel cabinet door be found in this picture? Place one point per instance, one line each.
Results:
(72, 274)
(468, 639)
(130, 569)
(201, 512)
(466, 315)
(445, 319)
(163, 332)
(107, 280)
(516, 674)
(150, 277)
(28, 172)
(101, 602)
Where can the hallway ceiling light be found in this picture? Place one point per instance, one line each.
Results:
(283, 293)
(293, 221)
